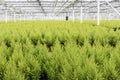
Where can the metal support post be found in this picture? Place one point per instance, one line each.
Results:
(98, 12)
(24, 16)
(73, 14)
(6, 16)
(14, 15)
(20, 17)
(81, 14)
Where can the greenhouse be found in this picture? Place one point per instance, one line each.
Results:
(59, 39)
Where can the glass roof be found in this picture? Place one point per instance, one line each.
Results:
(57, 6)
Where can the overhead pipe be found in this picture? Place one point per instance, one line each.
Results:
(56, 1)
(63, 5)
(113, 8)
(42, 7)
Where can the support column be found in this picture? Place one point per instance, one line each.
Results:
(31, 16)
(24, 16)
(73, 14)
(20, 17)
(6, 16)
(14, 15)
(81, 14)
(98, 12)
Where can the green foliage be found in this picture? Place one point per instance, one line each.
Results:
(59, 50)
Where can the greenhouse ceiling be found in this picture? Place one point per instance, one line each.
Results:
(57, 7)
